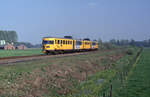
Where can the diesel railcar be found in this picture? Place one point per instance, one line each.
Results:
(52, 45)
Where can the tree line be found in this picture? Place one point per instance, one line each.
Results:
(9, 36)
(144, 43)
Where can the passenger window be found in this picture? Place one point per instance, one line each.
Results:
(55, 42)
(63, 41)
(58, 41)
(66, 42)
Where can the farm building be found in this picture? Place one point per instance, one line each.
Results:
(7, 47)
(21, 47)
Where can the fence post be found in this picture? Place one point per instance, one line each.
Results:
(111, 90)
(104, 94)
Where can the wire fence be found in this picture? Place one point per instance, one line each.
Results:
(118, 81)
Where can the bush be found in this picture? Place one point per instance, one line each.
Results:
(129, 52)
(108, 46)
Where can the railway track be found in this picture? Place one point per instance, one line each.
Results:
(18, 59)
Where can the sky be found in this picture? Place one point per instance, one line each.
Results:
(95, 19)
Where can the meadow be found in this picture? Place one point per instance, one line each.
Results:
(138, 82)
(28, 52)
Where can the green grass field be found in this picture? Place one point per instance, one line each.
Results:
(28, 52)
(138, 83)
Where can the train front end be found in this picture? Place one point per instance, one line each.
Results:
(48, 45)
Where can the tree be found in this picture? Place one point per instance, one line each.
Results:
(113, 41)
(118, 42)
(9, 36)
(132, 42)
(100, 43)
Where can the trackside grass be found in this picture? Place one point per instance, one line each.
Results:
(28, 52)
(138, 83)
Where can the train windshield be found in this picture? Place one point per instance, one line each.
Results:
(48, 42)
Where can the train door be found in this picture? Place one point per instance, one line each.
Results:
(58, 45)
(61, 44)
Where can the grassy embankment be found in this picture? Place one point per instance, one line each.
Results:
(138, 83)
(28, 52)
(80, 75)
(98, 85)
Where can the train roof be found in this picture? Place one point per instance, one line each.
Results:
(58, 37)
(70, 39)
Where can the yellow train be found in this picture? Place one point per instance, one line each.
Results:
(52, 45)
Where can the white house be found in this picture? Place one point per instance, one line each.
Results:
(2, 42)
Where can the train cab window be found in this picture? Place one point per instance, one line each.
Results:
(51, 42)
(45, 42)
(48, 42)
